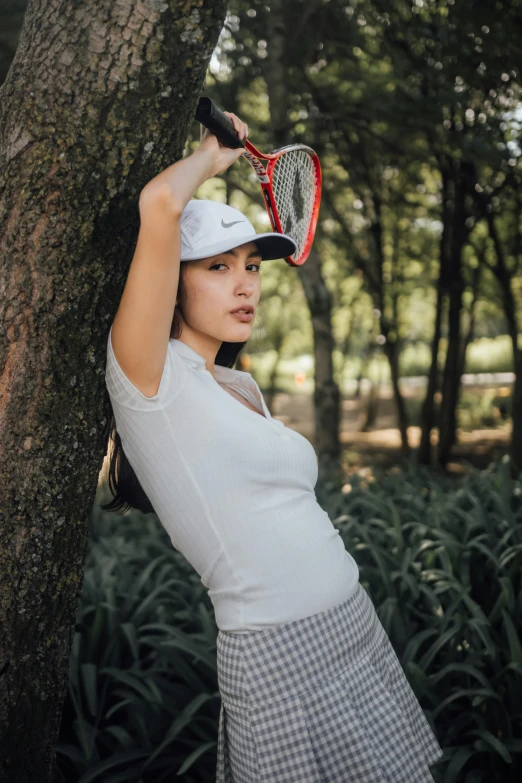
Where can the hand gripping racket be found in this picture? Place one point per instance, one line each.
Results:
(291, 180)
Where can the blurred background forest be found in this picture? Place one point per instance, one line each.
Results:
(414, 290)
(414, 110)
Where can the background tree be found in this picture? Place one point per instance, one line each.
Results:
(409, 106)
(97, 100)
(457, 64)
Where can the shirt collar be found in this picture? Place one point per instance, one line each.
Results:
(187, 352)
(221, 373)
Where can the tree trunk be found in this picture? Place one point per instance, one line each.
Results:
(376, 286)
(428, 406)
(516, 413)
(326, 392)
(372, 403)
(393, 347)
(470, 332)
(505, 279)
(98, 99)
(451, 384)
(272, 380)
(388, 324)
(327, 403)
(451, 376)
(391, 351)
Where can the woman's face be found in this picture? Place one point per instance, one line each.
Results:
(218, 284)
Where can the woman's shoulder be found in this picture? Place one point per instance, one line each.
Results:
(123, 392)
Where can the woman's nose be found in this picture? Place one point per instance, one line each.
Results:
(246, 283)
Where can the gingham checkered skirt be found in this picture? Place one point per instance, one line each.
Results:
(322, 699)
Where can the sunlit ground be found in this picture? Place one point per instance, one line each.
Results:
(483, 434)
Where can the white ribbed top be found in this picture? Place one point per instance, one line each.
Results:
(234, 491)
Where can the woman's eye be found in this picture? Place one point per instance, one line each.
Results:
(222, 264)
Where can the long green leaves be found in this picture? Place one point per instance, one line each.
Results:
(442, 561)
(143, 703)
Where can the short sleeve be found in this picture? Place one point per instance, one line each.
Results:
(124, 392)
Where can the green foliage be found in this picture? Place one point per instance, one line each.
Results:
(442, 561)
(406, 104)
(142, 702)
(487, 355)
(481, 409)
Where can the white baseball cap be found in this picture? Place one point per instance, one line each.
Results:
(208, 228)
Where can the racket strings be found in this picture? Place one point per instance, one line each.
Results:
(294, 185)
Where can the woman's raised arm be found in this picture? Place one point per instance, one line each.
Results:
(141, 327)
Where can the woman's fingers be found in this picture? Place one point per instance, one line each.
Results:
(235, 122)
(239, 126)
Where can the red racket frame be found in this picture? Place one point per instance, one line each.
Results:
(264, 175)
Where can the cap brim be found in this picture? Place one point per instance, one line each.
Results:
(271, 245)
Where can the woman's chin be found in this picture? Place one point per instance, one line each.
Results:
(242, 331)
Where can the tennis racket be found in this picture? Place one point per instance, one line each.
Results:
(290, 180)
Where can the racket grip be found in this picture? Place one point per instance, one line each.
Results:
(211, 116)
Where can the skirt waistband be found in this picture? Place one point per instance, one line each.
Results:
(312, 649)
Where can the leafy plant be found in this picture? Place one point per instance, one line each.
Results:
(442, 561)
(143, 702)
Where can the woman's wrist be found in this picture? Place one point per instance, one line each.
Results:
(204, 161)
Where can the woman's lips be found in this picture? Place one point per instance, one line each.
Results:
(243, 316)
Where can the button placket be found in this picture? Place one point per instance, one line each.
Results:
(200, 366)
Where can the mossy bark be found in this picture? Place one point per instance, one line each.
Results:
(98, 99)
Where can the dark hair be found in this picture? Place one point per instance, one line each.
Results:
(122, 481)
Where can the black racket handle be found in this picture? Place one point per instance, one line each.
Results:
(211, 116)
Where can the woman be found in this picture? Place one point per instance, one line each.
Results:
(311, 688)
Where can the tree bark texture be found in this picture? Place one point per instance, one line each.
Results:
(326, 392)
(98, 100)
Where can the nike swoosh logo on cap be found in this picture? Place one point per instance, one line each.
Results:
(227, 225)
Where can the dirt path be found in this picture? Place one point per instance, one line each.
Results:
(381, 444)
